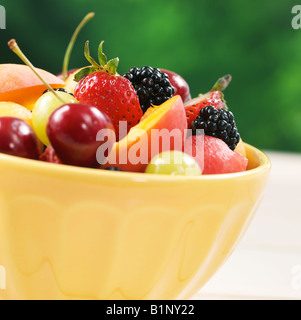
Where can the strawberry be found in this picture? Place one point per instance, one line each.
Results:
(215, 98)
(99, 85)
(50, 155)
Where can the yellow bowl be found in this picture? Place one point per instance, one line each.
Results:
(74, 233)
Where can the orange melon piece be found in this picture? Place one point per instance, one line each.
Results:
(12, 109)
(20, 85)
(168, 116)
(241, 148)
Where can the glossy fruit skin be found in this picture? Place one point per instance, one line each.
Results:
(180, 85)
(174, 163)
(72, 130)
(42, 110)
(217, 123)
(151, 85)
(18, 139)
(113, 95)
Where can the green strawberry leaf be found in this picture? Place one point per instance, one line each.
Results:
(88, 56)
(101, 56)
(83, 72)
(112, 65)
(103, 65)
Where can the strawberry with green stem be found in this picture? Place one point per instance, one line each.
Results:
(99, 85)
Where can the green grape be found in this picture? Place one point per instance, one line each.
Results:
(174, 163)
(43, 108)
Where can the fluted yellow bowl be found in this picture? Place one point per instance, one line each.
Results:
(74, 233)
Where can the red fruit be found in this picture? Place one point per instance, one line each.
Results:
(113, 95)
(49, 155)
(214, 98)
(215, 156)
(180, 85)
(100, 86)
(77, 131)
(68, 73)
(18, 139)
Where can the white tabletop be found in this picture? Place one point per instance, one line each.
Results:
(267, 262)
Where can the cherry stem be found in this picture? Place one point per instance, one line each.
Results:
(15, 48)
(222, 83)
(86, 19)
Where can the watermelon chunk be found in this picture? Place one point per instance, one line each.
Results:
(214, 155)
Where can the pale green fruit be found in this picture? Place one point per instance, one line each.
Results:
(43, 109)
(174, 163)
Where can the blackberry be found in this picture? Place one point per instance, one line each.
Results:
(60, 90)
(113, 169)
(151, 85)
(217, 123)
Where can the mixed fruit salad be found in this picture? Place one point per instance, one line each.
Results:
(93, 117)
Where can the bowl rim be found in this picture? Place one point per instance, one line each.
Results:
(90, 173)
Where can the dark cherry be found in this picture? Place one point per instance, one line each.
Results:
(17, 138)
(180, 85)
(77, 131)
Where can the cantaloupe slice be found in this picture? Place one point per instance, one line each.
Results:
(241, 148)
(142, 138)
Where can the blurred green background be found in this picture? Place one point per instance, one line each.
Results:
(201, 40)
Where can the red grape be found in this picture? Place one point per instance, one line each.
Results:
(180, 85)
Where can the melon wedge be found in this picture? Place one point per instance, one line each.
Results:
(215, 156)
